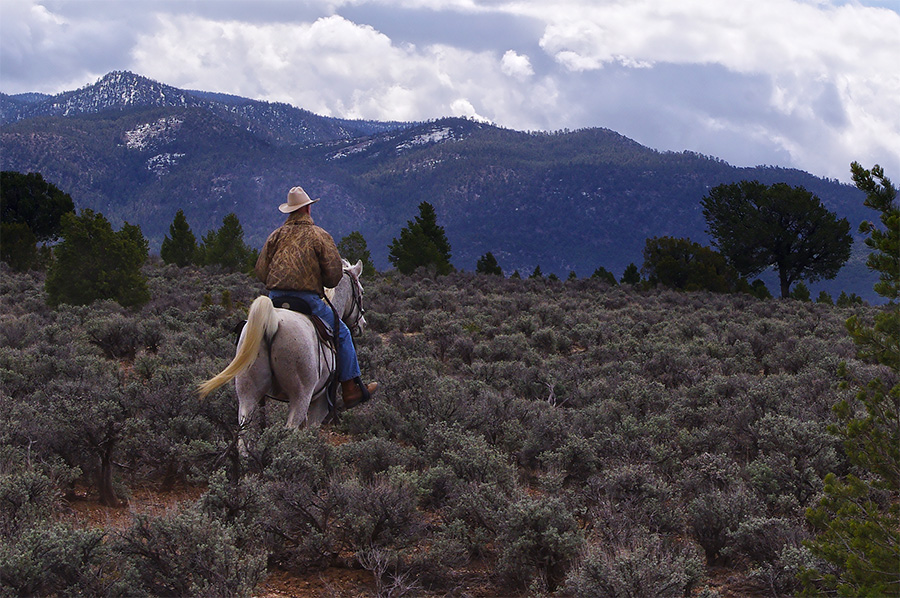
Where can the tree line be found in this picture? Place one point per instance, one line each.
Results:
(754, 227)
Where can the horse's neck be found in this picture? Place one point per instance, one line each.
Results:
(341, 297)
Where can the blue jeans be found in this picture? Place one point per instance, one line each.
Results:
(349, 366)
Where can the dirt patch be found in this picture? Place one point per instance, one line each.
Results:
(332, 582)
(83, 507)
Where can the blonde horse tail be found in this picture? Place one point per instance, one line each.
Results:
(262, 322)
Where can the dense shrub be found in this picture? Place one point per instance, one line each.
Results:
(714, 515)
(28, 493)
(640, 565)
(527, 435)
(186, 554)
(539, 539)
(54, 559)
(380, 513)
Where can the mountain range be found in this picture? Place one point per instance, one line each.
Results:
(138, 150)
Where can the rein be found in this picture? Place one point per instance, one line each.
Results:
(357, 303)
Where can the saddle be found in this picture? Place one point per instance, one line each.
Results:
(323, 329)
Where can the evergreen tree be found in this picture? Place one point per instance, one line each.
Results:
(881, 195)
(421, 243)
(225, 247)
(756, 226)
(487, 264)
(18, 246)
(94, 262)
(800, 292)
(824, 298)
(759, 290)
(353, 248)
(537, 273)
(30, 200)
(845, 300)
(631, 275)
(181, 247)
(31, 210)
(604, 275)
(685, 265)
(859, 517)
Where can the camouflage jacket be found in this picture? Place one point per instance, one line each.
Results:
(299, 256)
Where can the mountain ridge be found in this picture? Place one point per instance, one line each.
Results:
(564, 201)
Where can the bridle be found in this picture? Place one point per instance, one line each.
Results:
(356, 306)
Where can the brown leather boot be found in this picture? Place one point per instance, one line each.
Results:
(355, 393)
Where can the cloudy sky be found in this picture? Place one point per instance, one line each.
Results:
(810, 84)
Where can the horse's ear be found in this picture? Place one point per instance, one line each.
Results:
(356, 268)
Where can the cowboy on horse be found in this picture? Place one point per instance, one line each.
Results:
(297, 262)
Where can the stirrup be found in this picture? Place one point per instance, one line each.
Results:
(366, 395)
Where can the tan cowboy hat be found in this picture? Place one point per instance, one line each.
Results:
(297, 198)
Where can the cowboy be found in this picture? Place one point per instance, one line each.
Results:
(299, 260)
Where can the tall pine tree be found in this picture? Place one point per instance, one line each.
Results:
(422, 243)
(225, 247)
(181, 247)
(858, 519)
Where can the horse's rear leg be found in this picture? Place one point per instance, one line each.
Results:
(251, 388)
(296, 416)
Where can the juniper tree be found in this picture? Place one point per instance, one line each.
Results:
(95, 262)
(631, 275)
(18, 246)
(604, 275)
(225, 247)
(487, 264)
(685, 265)
(30, 200)
(353, 248)
(756, 226)
(31, 211)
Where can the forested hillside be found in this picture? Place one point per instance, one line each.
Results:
(529, 437)
(139, 151)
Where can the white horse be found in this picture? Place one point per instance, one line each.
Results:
(292, 365)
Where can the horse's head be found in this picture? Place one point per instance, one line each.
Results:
(354, 312)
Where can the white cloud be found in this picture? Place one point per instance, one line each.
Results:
(463, 107)
(331, 66)
(516, 65)
(831, 68)
(805, 83)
